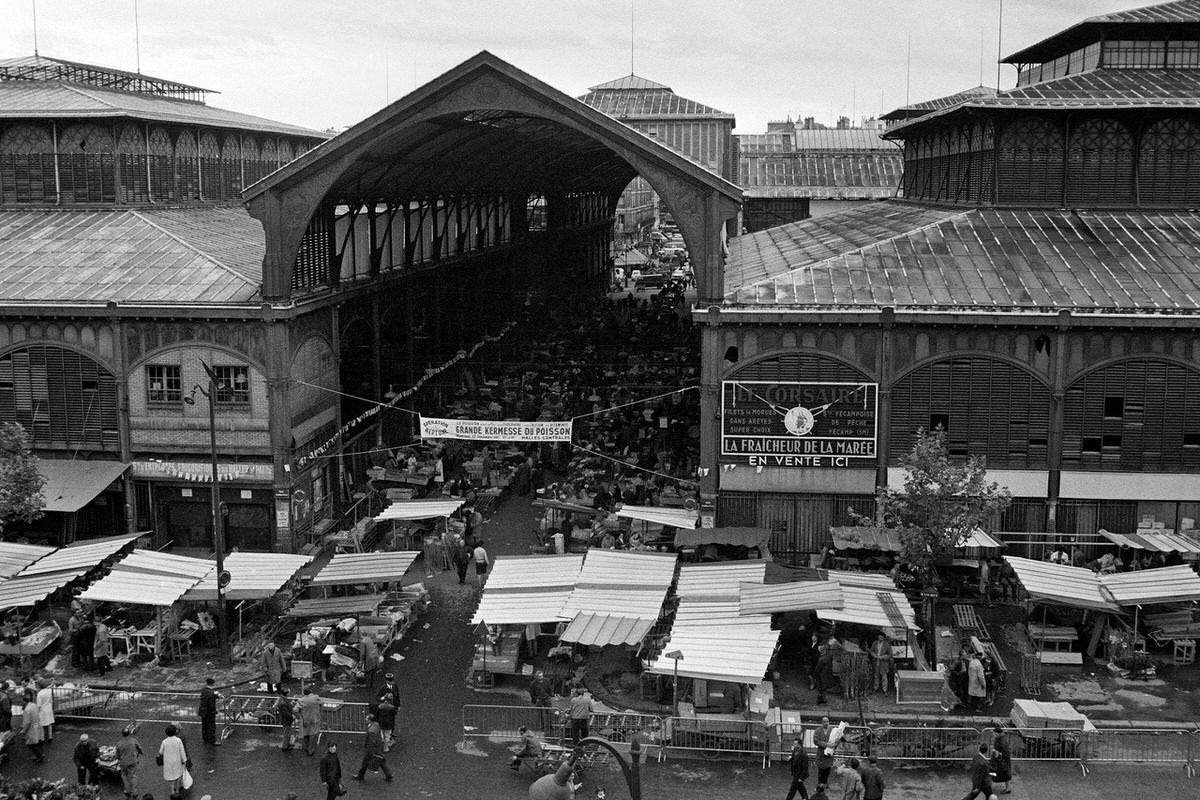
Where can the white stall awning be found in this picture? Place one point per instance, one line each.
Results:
(864, 606)
(16, 557)
(1156, 541)
(784, 597)
(336, 606)
(602, 630)
(717, 643)
(1149, 586)
(350, 568)
(23, 591)
(253, 576)
(675, 517)
(71, 485)
(521, 606)
(420, 509)
(82, 556)
(626, 601)
(1061, 584)
(534, 572)
(719, 579)
(147, 577)
(627, 568)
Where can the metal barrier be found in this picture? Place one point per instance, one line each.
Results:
(713, 738)
(337, 716)
(1048, 744)
(504, 722)
(1175, 747)
(919, 744)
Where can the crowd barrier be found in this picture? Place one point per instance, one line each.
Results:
(337, 716)
(756, 741)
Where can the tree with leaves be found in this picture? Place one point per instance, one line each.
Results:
(20, 481)
(941, 504)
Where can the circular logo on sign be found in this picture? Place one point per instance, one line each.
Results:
(799, 421)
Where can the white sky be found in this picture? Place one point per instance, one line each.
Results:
(330, 63)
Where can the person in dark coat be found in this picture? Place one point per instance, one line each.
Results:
(87, 644)
(208, 712)
(287, 718)
(798, 765)
(462, 559)
(872, 778)
(331, 772)
(387, 718)
(85, 755)
(819, 794)
(824, 751)
(981, 777)
(373, 751)
(1002, 764)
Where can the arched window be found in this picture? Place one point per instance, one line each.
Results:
(986, 406)
(86, 164)
(1031, 162)
(231, 166)
(131, 154)
(162, 167)
(252, 169)
(210, 168)
(285, 152)
(1100, 164)
(27, 165)
(63, 399)
(1169, 164)
(187, 165)
(270, 157)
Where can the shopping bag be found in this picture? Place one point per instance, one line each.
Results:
(186, 782)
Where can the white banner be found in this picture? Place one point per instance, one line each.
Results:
(487, 430)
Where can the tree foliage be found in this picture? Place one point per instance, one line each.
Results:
(941, 505)
(20, 481)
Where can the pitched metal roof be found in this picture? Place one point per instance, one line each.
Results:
(39, 67)
(647, 102)
(1100, 89)
(717, 643)
(147, 577)
(630, 81)
(1156, 541)
(630, 584)
(601, 630)
(1178, 584)
(350, 568)
(1060, 584)
(719, 579)
(29, 590)
(81, 556)
(254, 576)
(822, 175)
(1185, 13)
(938, 103)
(865, 606)
(15, 557)
(909, 256)
(53, 99)
(784, 597)
(1175, 11)
(527, 589)
(161, 256)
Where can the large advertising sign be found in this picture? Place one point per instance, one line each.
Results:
(798, 423)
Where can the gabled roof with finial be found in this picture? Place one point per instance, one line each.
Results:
(1178, 19)
(634, 97)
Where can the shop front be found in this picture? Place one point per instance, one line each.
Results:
(175, 500)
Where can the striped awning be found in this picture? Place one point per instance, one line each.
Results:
(1178, 584)
(82, 556)
(253, 576)
(717, 643)
(1061, 584)
(148, 577)
(601, 630)
(1156, 541)
(350, 568)
(675, 517)
(719, 579)
(865, 606)
(16, 557)
(24, 591)
(784, 597)
(523, 590)
(420, 509)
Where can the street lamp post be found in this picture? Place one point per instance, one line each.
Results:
(218, 527)
(677, 656)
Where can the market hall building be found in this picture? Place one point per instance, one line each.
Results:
(1035, 293)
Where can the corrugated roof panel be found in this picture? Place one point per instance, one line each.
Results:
(784, 597)
(29, 590)
(643, 602)
(335, 606)
(254, 576)
(648, 104)
(717, 643)
(419, 509)
(1159, 541)
(351, 568)
(147, 577)
(521, 607)
(720, 579)
(862, 606)
(627, 568)
(1058, 583)
(80, 557)
(1149, 586)
(533, 572)
(675, 517)
(601, 630)
(15, 557)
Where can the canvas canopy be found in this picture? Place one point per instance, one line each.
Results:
(1150, 586)
(346, 569)
(674, 517)
(866, 606)
(80, 557)
(602, 630)
(784, 597)
(524, 590)
(419, 509)
(719, 579)
(253, 576)
(1061, 584)
(744, 537)
(717, 643)
(147, 577)
(336, 606)
(15, 557)
(1156, 541)
(71, 485)
(630, 584)
(23, 591)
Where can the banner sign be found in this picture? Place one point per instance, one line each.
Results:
(487, 430)
(799, 423)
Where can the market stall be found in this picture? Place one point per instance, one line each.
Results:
(621, 582)
(1157, 540)
(354, 569)
(15, 557)
(718, 544)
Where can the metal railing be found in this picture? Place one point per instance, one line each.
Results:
(503, 723)
(1145, 746)
(715, 738)
(917, 745)
(337, 716)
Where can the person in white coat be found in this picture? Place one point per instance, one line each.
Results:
(173, 757)
(45, 706)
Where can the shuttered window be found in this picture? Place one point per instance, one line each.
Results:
(86, 165)
(799, 367)
(63, 399)
(1100, 164)
(27, 165)
(1159, 426)
(1169, 163)
(988, 408)
(1031, 162)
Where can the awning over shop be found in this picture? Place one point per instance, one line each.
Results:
(743, 537)
(1156, 541)
(523, 590)
(71, 485)
(253, 576)
(1149, 586)
(717, 643)
(864, 606)
(336, 606)
(201, 471)
(82, 556)
(784, 597)
(601, 630)
(675, 517)
(419, 509)
(722, 579)
(147, 577)
(631, 258)
(351, 568)
(16, 557)
(860, 538)
(1061, 584)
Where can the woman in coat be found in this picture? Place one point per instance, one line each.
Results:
(31, 727)
(45, 707)
(173, 758)
(1001, 764)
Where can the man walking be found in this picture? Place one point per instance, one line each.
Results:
(273, 666)
(129, 753)
(852, 785)
(387, 718)
(373, 751)
(310, 720)
(872, 779)
(287, 716)
(331, 773)
(798, 765)
(981, 774)
(208, 712)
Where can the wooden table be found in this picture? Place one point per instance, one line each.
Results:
(145, 640)
(1060, 637)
